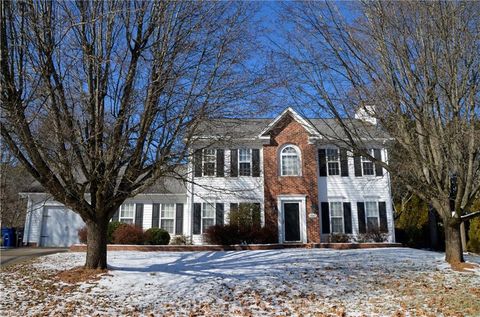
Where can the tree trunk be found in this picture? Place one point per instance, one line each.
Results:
(453, 242)
(96, 245)
(433, 229)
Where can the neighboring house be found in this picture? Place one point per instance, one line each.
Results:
(288, 169)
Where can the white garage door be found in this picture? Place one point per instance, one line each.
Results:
(60, 227)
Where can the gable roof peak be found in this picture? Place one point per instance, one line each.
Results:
(296, 116)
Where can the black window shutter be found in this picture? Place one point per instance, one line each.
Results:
(197, 217)
(179, 219)
(255, 162)
(322, 162)
(220, 163)
(155, 215)
(197, 163)
(378, 156)
(234, 163)
(347, 217)
(382, 210)
(219, 214)
(362, 226)
(325, 217)
(357, 164)
(344, 162)
(116, 215)
(256, 217)
(139, 215)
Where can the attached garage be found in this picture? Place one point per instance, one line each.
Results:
(59, 227)
(51, 224)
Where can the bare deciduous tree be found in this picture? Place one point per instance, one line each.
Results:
(415, 68)
(101, 98)
(13, 180)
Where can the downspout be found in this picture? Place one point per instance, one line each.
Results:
(191, 200)
(390, 194)
(29, 211)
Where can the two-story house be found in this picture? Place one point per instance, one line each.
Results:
(294, 172)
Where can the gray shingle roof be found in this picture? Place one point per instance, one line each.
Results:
(164, 185)
(251, 128)
(234, 128)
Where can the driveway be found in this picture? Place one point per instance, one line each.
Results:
(16, 255)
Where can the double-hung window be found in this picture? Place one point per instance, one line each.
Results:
(209, 160)
(336, 217)
(127, 213)
(333, 162)
(290, 161)
(372, 214)
(167, 218)
(244, 162)
(208, 216)
(367, 165)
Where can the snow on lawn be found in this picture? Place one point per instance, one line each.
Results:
(292, 282)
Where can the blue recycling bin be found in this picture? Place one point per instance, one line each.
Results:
(8, 237)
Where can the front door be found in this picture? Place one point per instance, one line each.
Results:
(291, 212)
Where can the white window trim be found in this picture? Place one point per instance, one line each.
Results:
(167, 218)
(120, 217)
(367, 160)
(250, 162)
(341, 216)
(299, 155)
(302, 200)
(332, 161)
(366, 213)
(202, 230)
(214, 162)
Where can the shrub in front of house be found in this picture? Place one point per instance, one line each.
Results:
(112, 227)
(244, 228)
(263, 235)
(82, 234)
(474, 236)
(372, 235)
(128, 234)
(235, 234)
(180, 240)
(339, 238)
(157, 236)
(223, 235)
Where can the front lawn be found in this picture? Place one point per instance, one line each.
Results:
(301, 282)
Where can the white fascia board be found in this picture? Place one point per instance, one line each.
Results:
(307, 125)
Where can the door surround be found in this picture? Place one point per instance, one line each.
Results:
(301, 200)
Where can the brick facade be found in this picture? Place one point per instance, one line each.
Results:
(289, 131)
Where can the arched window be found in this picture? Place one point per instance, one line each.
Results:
(290, 161)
